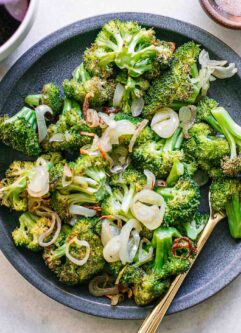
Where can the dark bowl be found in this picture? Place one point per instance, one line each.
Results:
(220, 16)
(53, 59)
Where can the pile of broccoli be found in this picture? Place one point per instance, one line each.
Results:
(98, 155)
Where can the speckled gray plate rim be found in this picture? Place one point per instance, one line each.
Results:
(220, 261)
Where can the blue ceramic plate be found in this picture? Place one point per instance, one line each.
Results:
(53, 59)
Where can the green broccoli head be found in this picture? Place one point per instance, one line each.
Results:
(50, 96)
(147, 134)
(134, 90)
(231, 164)
(204, 114)
(153, 280)
(182, 201)
(19, 132)
(61, 202)
(71, 128)
(226, 197)
(54, 253)
(222, 189)
(13, 188)
(128, 177)
(175, 84)
(158, 156)
(149, 289)
(29, 230)
(118, 203)
(100, 91)
(67, 271)
(205, 146)
(127, 46)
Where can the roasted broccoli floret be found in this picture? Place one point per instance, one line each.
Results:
(133, 91)
(182, 201)
(70, 132)
(67, 271)
(50, 96)
(61, 202)
(13, 192)
(177, 170)
(231, 163)
(118, 203)
(165, 265)
(129, 177)
(99, 90)
(154, 280)
(86, 186)
(194, 227)
(55, 165)
(207, 148)
(88, 176)
(126, 184)
(20, 132)
(226, 196)
(147, 134)
(31, 227)
(175, 84)
(159, 156)
(54, 253)
(127, 46)
(204, 113)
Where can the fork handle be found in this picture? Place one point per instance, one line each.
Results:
(151, 323)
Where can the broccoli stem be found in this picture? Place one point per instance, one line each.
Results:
(24, 113)
(171, 142)
(70, 104)
(194, 70)
(33, 100)
(176, 105)
(179, 141)
(162, 242)
(59, 252)
(233, 210)
(212, 122)
(229, 128)
(27, 221)
(167, 192)
(225, 121)
(80, 74)
(177, 171)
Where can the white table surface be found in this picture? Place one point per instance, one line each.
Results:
(23, 309)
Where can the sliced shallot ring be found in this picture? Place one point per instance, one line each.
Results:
(39, 184)
(82, 243)
(124, 239)
(139, 128)
(111, 251)
(55, 221)
(118, 94)
(108, 231)
(144, 258)
(67, 176)
(97, 291)
(151, 180)
(82, 211)
(137, 106)
(40, 112)
(165, 122)
(150, 216)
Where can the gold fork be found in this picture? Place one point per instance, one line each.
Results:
(151, 323)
